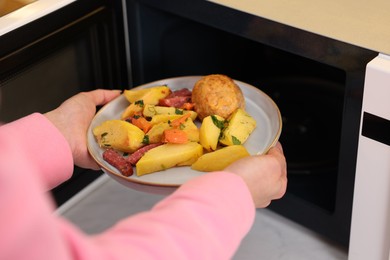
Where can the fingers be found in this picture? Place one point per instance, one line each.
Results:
(102, 96)
(277, 152)
(276, 149)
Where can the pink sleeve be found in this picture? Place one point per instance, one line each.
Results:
(34, 157)
(205, 218)
(37, 140)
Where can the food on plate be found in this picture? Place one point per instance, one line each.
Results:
(220, 159)
(138, 98)
(240, 126)
(174, 136)
(190, 128)
(152, 110)
(179, 98)
(167, 156)
(119, 135)
(166, 118)
(118, 161)
(204, 128)
(137, 155)
(210, 131)
(141, 122)
(184, 123)
(217, 94)
(155, 134)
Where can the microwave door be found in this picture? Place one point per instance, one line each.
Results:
(370, 225)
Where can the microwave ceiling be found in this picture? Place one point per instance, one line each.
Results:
(8, 6)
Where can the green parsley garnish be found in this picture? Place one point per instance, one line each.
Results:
(218, 123)
(178, 111)
(146, 140)
(235, 140)
(139, 103)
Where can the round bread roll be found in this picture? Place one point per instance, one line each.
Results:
(217, 94)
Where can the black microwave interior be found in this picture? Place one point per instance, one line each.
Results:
(316, 83)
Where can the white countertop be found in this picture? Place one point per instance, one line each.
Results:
(359, 22)
(29, 13)
(105, 201)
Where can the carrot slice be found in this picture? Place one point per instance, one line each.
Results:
(188, 106)
(174, 136)
(181, 120)
(141, 123)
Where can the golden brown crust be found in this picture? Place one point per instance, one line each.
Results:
(217, 94)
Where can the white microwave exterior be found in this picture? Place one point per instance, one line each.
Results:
(370, 225)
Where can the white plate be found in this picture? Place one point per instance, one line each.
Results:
(260, 106)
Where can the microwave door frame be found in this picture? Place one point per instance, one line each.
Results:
(370, 224)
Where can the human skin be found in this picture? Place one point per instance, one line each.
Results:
(73, 117)
(265, 175)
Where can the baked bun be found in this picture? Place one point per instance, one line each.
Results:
(217, 94)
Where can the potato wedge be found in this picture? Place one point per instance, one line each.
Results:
(163, 118)
(153, 110)
(132, 109)
(119, 134)
(220, 159)
(139, 98)
(191, 129)
(167, 156)
(209, 132)
(240, 126)
(148, 95)
(156, 132)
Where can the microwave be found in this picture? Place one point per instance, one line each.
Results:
(320, 83)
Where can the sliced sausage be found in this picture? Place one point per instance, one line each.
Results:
(134, 157)
(118, 161)
(177, 98)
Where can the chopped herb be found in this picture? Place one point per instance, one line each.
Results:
(178, 111)
(125, 154)
(136, 116)
(104, 134)
(107, 145)
(218, 123)
(139, 103)
(235, 140)
(182, 126)
(146, 139)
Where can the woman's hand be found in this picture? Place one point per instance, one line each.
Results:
(265, 175)
(73, 118)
